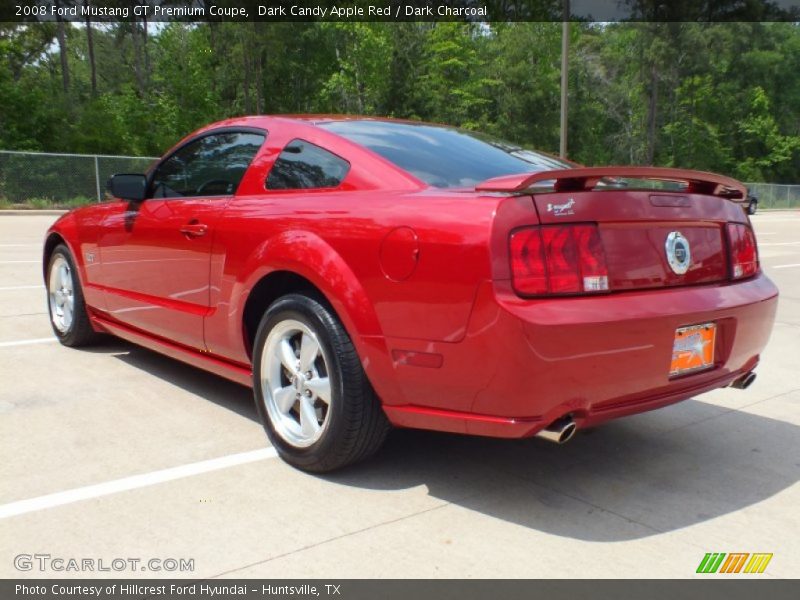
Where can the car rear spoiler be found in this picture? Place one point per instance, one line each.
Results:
(586, 178)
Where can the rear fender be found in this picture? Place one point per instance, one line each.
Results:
(310, 257)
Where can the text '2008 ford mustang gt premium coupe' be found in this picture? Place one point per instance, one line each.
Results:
(361, 273)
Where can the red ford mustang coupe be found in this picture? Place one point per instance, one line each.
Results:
(360, 273)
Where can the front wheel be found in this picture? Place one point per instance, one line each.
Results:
(314, 399)
(67, 308)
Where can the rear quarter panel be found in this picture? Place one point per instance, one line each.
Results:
(334, 239)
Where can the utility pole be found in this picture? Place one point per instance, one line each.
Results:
(564, 77)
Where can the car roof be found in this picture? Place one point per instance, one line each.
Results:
(314, 120)
(327, 118)
(310, 119)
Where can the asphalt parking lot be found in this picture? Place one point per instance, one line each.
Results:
(116, 452)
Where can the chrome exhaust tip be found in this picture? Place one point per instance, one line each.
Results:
(560, 431)
(745, 381)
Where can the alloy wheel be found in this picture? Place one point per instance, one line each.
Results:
(295, 383)
(61, 292)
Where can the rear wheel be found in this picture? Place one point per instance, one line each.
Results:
(317, 406)
(752, 207)
(68, 315)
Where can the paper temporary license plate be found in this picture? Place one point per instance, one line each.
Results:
(693, 349)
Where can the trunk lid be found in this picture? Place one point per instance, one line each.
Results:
(635, 226)
(658, 227)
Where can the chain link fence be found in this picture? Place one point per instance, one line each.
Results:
(775, 195)
(43, 179)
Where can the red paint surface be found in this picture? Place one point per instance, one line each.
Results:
(426, 272)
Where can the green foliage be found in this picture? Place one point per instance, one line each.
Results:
(359, 83)
(451, 86)
(722, 97)
(46, 203)
(768, 149)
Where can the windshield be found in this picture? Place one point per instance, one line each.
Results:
(441, 156)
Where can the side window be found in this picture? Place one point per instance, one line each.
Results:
(302, 165)
(210, 166)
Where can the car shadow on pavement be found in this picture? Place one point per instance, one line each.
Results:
(629, 479)
(220, 391)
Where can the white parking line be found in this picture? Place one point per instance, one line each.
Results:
(22, 507)
(27, 342)
(21, 287)
(18, 262)
(19, 245)
(781, 244)
(786, 266)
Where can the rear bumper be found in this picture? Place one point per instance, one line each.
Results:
(524, 363)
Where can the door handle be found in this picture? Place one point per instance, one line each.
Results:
(194, 229)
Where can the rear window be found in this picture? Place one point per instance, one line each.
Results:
(302, 165)
(443, 157)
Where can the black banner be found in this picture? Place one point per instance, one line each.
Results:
(549, 589)
(400, 10)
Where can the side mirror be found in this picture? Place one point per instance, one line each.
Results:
(127, 186)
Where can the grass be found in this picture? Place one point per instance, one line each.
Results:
(45, 203)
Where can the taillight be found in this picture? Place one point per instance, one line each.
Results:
(527, 262)
(743, 251)
(565, 259)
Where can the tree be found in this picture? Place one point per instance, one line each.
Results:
(716, 96)
(62, 45)
(90, 48)
(360, 82)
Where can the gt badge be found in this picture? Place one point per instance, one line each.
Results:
(679, 255)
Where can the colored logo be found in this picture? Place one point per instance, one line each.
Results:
(734, 562)
(679, 256)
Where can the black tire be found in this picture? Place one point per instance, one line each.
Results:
(752, 207)
(79, 332)
(355, 425)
